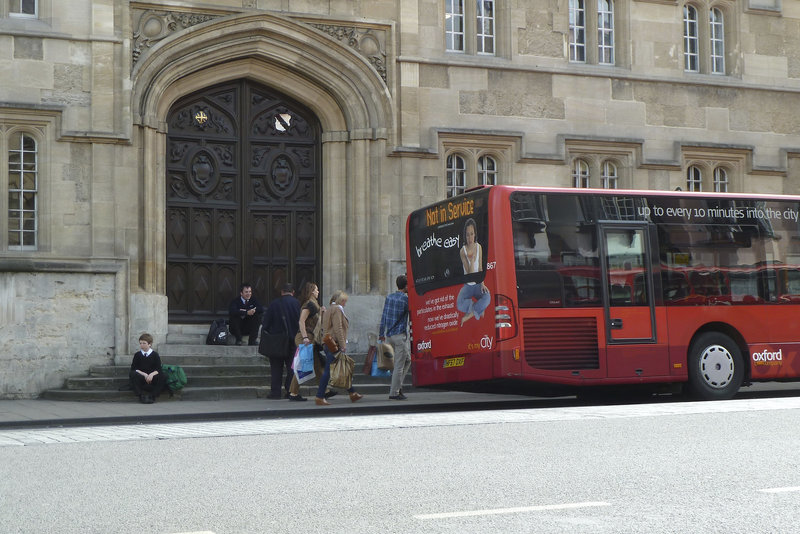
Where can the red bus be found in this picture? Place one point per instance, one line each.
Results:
(580, 287)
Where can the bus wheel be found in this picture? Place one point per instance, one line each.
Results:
(716, 369)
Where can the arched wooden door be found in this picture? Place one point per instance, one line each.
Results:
(243, 198)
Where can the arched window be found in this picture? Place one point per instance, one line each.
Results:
(580, 173)
(694, 179)
(487, 171)
(23, 183)
(610, 176)
(691, 54)
(605, 32)
(456, 175)
(717, 39)
(720, 180)
(577, 31)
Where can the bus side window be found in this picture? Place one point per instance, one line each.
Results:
(675, 286)
(540, 288)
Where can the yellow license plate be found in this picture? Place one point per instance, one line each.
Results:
(453, 362)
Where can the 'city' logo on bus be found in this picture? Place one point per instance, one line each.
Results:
(424, 345)
(768, 357)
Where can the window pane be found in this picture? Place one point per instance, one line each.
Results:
(456, 175)
(485, 27)
(454, 25)
(487, 171)
(580, 173)
(690, 39)
(717, 31)
(605, 32)
(29, 181)
(29, 201)
(577, 31)
(694, 179)
(22, 190)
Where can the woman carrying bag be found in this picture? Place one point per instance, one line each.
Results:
(310, 324)
(335, 323)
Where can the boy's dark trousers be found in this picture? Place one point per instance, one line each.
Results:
(245, 326)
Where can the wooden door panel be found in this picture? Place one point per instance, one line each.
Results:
(243, 189)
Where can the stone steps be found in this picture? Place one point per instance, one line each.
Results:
(214, 372)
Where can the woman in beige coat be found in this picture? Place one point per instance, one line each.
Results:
(335, 323)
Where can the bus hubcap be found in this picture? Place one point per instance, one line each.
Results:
(716, 366)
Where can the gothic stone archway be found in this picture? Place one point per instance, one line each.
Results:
(243, 197)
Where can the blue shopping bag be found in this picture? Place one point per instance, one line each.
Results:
(379, 372)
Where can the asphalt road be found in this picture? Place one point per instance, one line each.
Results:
(675, 467)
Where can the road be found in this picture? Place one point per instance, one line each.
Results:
(729, 466)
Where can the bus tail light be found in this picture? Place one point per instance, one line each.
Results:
(504, 317)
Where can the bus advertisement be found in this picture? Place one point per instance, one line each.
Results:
(605, 287)
(453, 296)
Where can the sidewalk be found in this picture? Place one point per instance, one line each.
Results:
(49, 413)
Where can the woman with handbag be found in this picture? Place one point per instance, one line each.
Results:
(309, 329)
(335, 324)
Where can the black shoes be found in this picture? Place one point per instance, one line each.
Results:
(238, 342)
(146, 399)
(399, 396)
(330, 393)
(296, 398)
(274, 397)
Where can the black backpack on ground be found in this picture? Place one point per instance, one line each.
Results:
(218, 334)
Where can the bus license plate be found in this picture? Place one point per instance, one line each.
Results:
(453, 362)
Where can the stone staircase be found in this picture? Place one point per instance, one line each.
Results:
(214, 372)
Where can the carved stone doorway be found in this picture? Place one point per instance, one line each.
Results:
(243, 198)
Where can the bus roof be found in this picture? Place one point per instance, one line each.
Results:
(638, 192)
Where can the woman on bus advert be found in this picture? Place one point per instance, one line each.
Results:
(474, 297)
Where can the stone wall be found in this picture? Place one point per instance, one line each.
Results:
(52, 326)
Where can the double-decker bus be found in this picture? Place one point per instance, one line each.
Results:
(580, 287)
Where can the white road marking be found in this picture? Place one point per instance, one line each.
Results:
(515, 510)
(787, 489)
(52, 436)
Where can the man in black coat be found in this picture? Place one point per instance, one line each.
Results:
(282, 318)
(245, 315)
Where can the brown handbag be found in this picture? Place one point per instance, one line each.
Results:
(329, 342)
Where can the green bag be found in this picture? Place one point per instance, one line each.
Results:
(176, 377)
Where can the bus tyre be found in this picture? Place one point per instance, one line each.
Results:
(716, 368)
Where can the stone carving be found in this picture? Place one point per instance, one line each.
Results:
(154, 26)
(203, 178)
(365, 41)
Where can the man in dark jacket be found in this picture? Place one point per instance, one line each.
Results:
(244, 313)
(282, 318)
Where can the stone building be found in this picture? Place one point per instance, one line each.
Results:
(156, 154)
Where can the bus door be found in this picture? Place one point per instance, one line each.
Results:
(630, 325)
